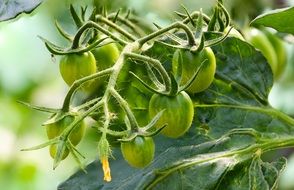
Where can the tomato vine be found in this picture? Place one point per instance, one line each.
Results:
(186, 76)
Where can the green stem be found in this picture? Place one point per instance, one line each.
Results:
(119, 64)
(104, 20)
(78, 83)
(106, 115)
(281, 116)
(62, 32)
(193, 15)
(124, 104)
(87, 104)
(91, 24)
(156, 64)
(277, 144)
(189, 33)
(142, 23)
(113, 133)
(267, 110)
(128, 23)
(113, 78)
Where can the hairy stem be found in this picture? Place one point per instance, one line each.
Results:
(194, 15)
(104, 20)
(91, 24)
(189, 33)
(124, 104)
(106, 115)
(128, 23)
(78, 83)
(156, 64)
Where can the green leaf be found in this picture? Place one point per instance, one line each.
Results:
(39, 108)
(75, 17)
(233, 122)
(238, 96)
(280, 19)
(272, 171)
(254, 174)
(10, 9)
(256, 178)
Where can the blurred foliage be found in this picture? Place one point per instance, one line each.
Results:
(30, 74)
(12, 8)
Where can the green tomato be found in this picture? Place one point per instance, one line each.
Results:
(55, 129)
(178, 114)
(138, 152)
(190, 63)
(260, 41)
(75, 66)
(106, 56)
(281, 52)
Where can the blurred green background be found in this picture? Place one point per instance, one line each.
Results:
(29, 73)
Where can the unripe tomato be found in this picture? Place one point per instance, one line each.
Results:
(75, 66)
(138, 152)
(190, 63)
(259, 40)
(178, 114)
(55, 129)
(106, 56)
(281, 52)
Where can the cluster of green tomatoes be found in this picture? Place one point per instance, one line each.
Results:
(178, 110)
(171, 114)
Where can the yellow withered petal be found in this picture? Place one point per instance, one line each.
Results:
(106, 169)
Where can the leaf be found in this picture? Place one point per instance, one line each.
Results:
(10, 9)
(272, 171)
(39, 108)
(256, 178)
(280, 19)
(203, 166)
(238, 96)
(233, 122)
(263, 173)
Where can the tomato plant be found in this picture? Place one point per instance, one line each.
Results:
(138, 152)
(230, 121)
